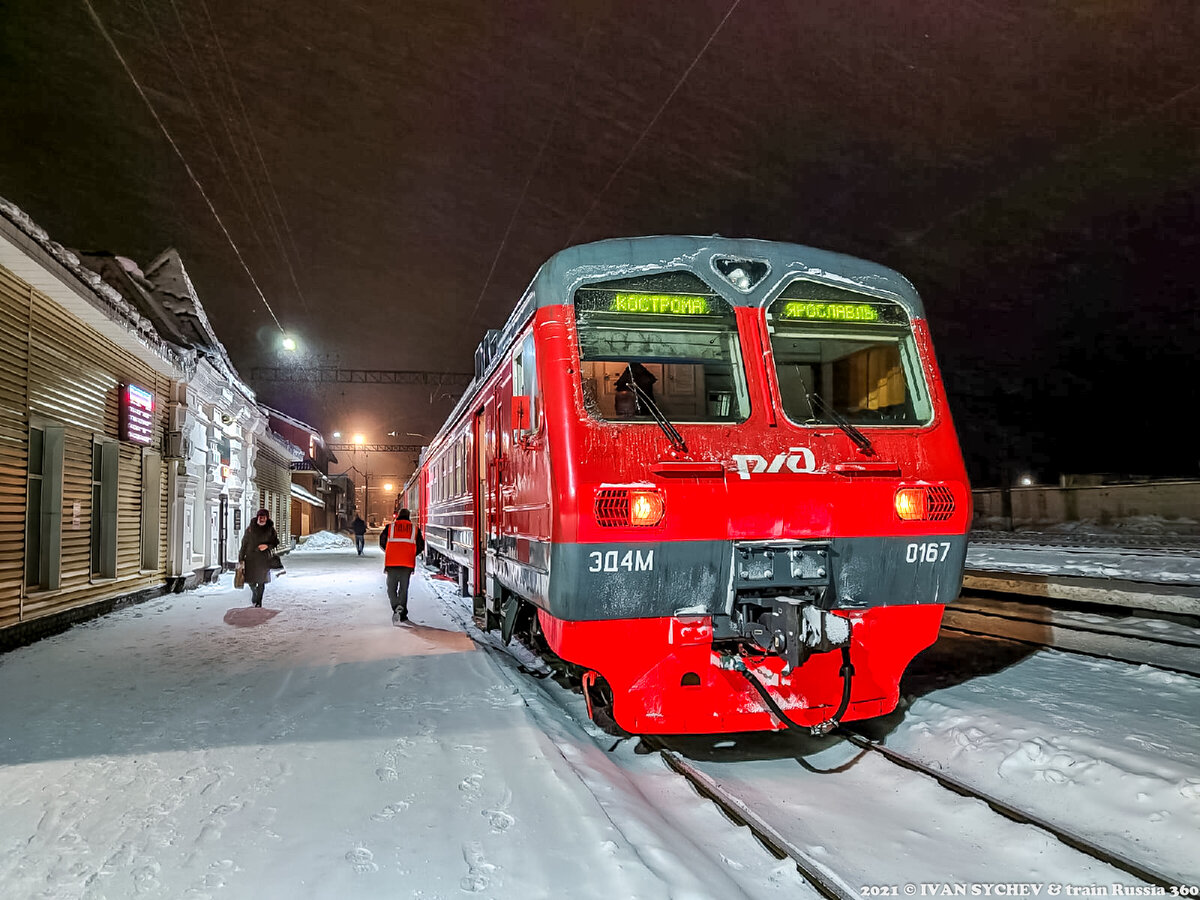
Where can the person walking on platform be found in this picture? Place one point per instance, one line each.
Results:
(400, 541)
(255, 554)
(359, 527)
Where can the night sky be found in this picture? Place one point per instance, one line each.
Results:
(392, 173)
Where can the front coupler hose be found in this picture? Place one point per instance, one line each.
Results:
(822, 728)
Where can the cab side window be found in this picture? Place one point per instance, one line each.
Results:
(526, 418)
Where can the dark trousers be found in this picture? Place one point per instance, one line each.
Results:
(360, 541)
(397, 587)
(256, 593)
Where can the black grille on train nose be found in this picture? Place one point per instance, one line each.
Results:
(612, 507)
(941, 503)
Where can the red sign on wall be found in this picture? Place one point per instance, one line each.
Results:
(137, 414)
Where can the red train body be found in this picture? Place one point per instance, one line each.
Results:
(716, 471)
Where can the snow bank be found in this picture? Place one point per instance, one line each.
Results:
(324, 540)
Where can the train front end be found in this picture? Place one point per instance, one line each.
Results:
(762, 504)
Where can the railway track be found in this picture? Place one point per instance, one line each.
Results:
(1145, 544)
(826, 882)
(1166, 641)
(769, 822)
(838, 886)
(1065, 835)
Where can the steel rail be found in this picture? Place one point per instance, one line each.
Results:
(1167, 544)
(825, 882)
(1070, 838)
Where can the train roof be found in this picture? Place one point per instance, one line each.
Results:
(562, 274)
(566, 271)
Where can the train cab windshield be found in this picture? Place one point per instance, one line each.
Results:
(664, 341)
(849, 351)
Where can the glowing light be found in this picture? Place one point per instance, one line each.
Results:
(670, 304)
(910, 503)
(337, 434)
(388, 486)
(645, 508)
(288, 343)
(359, 439)
(843, 312)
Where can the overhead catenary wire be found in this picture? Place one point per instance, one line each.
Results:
(651, 124)
(178, 152)
(217, 156)
(1030, 172)
(237, 95)
(579, 57)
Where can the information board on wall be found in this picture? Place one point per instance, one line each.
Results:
(137, 414)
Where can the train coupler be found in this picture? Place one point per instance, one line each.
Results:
(790, 628)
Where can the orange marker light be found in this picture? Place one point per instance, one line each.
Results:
(645, 507)
(910, 503)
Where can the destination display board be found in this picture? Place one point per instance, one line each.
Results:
(137, 414)
(660, 304)
(811, 301)
(829, 312)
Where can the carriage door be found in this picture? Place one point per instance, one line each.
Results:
(484, 504)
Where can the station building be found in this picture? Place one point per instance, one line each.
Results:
(132, 456)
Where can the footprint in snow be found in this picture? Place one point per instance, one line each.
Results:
(479, 870)
(362, 860)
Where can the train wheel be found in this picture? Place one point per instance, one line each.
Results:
(512, 608)
(599, 698)
(537, 638)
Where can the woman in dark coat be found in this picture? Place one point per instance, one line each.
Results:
(257, 543)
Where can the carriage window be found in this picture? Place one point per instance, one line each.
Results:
(852, 351)
(667, 340)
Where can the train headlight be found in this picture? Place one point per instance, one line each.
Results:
(934, 503)
(618, 507)
(910, 503)
(645, 507)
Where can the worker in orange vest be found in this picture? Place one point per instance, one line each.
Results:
(400, 541)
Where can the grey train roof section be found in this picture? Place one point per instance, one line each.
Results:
(562, 274)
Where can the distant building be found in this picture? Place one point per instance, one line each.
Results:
(315, 496)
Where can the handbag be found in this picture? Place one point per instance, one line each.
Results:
(239, 575)
(276, 567)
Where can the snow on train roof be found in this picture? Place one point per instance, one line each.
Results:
(562, 274)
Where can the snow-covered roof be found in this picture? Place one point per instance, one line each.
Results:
(166, 296)
(293, 421)
(174, 291)
(301, 493)
(58, 272)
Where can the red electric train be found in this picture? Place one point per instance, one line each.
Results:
(718, 475)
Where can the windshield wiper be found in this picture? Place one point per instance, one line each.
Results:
(863, 442)
(664, 423)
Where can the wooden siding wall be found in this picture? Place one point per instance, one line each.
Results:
(15, 308)
(273, 476)
(57, 370)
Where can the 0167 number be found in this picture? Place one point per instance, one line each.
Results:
(930, 552)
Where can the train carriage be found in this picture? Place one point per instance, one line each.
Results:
(719, 475)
